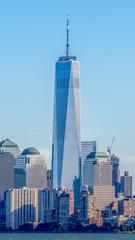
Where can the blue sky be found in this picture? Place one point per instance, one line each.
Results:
(102, 36)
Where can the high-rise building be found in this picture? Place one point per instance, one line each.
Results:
(64, 205)
(88, 171)
(98, 178)
(21, 207)
(115, 174)
(126, 184)
(7, 145)
(76, 188)
(7, 162)
(103, 191)
(86, 148)
(44, 199)
(30, 169)
(66, 121)
(102, 170)
(97, 170)
(87, 209)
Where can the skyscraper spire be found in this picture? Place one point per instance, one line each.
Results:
(67, 55)
(67, 43)
(66, 119)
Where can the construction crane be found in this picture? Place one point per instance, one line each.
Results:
(109, 148)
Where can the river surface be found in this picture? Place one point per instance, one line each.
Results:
(65, 236)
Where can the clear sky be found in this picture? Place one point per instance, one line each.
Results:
(102, 36)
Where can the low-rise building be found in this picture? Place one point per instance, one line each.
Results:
(127, 207)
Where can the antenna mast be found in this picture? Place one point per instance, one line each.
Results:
(67, 43)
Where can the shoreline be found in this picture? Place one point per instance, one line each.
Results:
(68, 232)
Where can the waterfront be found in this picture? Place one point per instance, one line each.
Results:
(65, 236)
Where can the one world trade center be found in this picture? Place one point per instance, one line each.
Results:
(66, 120)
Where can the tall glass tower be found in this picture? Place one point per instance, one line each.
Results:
(66, 121)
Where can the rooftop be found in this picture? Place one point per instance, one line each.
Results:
(67, 58)
(96, 154)
(8, 143)
(30, 151)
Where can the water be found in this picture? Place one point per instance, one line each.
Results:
(65, 236)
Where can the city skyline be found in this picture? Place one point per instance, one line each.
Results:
(29, 73)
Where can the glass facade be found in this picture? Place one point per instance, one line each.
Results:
(86, 148)
(66, 125)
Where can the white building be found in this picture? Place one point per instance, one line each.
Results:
(25, 205)
(21, 207)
